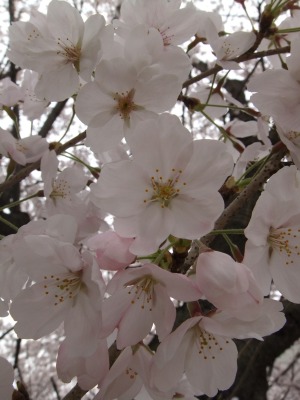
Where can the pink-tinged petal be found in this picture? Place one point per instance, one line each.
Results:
(161, 133)
(6, 379)
(106, 138)
(155, 225)
(37, 256)
(65, 21)
(89, 370)
(92, 101)
(156, 93)
(257, 259)
(178, 286)
(269, 320)
(96, 367)
(181, 24)
(58, 85)
(112, 250)
(167, 371)
(75, 177)
(122, 381)
(204, 151)
(92, 26)
(285, 272)
(164, 312)
(82, 326)
(115, 76)
(49, 166)
(211, 369)
(195, 217)
(113, 309)
(170, 345)
(119, 199)
(284, 183)
(28, 309)
(136, 324)
(91, 45)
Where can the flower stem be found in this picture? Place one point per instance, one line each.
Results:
(12, 226)
(16, 203)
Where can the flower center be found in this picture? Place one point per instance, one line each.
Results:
(20, 147)
(130, 373)
(62, 287)
(162, 190)
(70, 52)
(61, 189)
(167, 38)
(286, 240)
(143, 289)
(293, 136)
(207, 344)
(125, 104)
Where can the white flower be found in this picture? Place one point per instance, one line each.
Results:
(10, 93)
(140, 297)
(59, 46)
(176, 25)
(120, 97)
(278, 92)
(228, 285)
(209, 361)
(61, 189)
(32, 106)
(228, 47)
(125, 378)
(272, 250)
(291, 138)
(170, 186)
(89, 369)
(202, 349)
(22, 151)
(68, 288)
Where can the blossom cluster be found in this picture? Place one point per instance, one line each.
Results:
(116, 284)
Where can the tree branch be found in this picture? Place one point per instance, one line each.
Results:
(24, 172)
(243, 57)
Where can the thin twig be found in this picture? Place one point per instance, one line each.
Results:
(243, 57)
(24, 172)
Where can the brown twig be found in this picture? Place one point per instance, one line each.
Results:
(243, 57)
(24, 172)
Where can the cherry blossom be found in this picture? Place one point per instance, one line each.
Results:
(169, 185)
(68, 288)
(176, 25)
(12, 278)
(228, 47)
(125, 378)
(278, 91)
(140, 297)
(32, 106)
(59, 46)
(120, 97)
(209, 361)
(143, 205)
(228, 285)
(89, 369)
(10, 93)
(23, 151)
(273, 234)
(146, 47)
(112, 250)
(202, 349)
(291, 138)
(61, 189)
